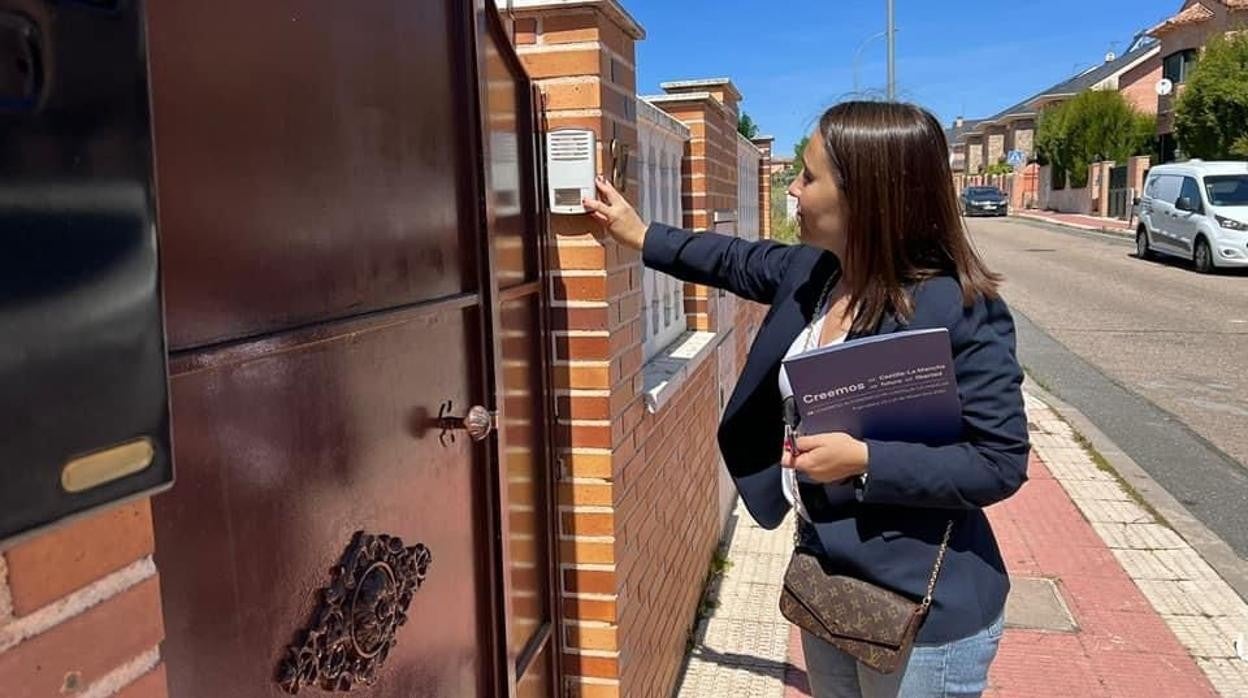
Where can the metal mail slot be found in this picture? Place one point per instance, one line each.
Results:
(83, 383)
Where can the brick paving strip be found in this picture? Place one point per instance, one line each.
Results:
(1153, 619)
(1200, 610)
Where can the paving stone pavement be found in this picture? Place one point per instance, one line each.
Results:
(742, 648)
(1206, 615)
(746, 648)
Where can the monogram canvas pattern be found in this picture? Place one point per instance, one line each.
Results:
(874, 625)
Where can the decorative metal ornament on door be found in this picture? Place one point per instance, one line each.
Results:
(363, 607)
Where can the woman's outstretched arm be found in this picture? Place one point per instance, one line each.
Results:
(752, 270)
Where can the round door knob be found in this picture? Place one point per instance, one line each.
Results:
(478, 423)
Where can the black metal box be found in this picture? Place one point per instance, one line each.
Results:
(84, 417)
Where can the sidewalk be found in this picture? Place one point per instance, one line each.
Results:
(1074, 220)
(1106, 602)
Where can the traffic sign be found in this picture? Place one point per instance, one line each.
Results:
(1016, 158)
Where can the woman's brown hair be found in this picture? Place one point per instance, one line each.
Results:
(903, 224)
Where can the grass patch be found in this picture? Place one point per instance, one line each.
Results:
(1033, 378)
(784, 230)
(1099, 460)
(707, 607)
(707, 604)
(1104, 466)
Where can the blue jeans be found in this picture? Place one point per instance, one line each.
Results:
(958, 668)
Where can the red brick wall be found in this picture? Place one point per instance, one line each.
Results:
(583, 61)
(1192, 36)
(765, 146)
(676, 483)
(1139, 85)
(1137, 169)
(709, 176)
(667, 527)
(80, 609)
(638, 494)
(638, 506)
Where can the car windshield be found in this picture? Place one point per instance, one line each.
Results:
(983, 193)
(1227, 190)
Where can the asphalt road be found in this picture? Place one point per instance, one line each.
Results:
(1153, 353)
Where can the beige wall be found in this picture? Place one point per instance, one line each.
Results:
(994, 145)
(958, 157)
(1021, 135)
(974, 155)
(1062, 200)
(1025, 140)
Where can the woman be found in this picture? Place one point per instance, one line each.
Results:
(883, 249)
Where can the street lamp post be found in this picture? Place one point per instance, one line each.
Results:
(892, 57)
(858, 54)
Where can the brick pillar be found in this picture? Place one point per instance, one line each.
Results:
(582, 57)
(1103, 194)
(80, 609)
(709, 109)
(1137, 169)
(1018, 187)
(765, 145)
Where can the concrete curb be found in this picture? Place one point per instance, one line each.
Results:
(1205, 542)
(1107, 230)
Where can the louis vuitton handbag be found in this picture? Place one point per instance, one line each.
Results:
(872, 624)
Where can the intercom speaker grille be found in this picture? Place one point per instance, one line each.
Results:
(570, 147)
(567, 197)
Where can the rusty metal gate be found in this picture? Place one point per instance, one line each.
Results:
(1119, 193)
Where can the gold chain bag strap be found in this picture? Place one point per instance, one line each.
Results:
(872, 624)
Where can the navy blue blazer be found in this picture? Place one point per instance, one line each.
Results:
(890, 531)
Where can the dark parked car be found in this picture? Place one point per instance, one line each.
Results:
(984, 201)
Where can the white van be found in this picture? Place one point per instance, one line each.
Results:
(1196, 210)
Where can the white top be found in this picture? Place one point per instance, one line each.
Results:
(803, 343)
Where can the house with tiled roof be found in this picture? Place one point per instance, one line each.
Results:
(990, 140)
(1182, 37)
(954, 136)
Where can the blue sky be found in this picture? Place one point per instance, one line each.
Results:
(974, 57)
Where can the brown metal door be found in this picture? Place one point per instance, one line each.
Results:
(332, 283)
(287, 448)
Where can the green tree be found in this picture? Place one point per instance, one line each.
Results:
(1211, 118)
(783, 228)
(746, 126)
(999, 168)
(798, 163)
(1094, 126)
